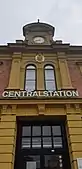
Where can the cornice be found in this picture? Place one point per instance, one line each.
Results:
(53, 48)
(79, 63)
(40, 101)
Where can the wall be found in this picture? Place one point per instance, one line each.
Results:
(68, 75)
(5, 68)
(75, 75)
(8, 128)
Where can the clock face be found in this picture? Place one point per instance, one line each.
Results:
(39, 40)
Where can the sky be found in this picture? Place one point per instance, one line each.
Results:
(64, 15)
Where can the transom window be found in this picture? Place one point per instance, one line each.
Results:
(30, 79)
(50, 82)
(41, 136)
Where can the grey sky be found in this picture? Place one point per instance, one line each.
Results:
(64, 15)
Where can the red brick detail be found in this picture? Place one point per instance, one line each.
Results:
(76, 76)
(5, 67)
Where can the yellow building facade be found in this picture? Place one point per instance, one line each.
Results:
(26, 121)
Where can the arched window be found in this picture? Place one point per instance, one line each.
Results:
(30, 79)
(50, 82)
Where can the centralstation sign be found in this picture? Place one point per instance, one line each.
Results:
(39, 94)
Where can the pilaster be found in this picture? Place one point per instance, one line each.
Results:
(64, 71)
(22, 77)
(74, 133)
(14, 81)
(7, 138)
(40, 77)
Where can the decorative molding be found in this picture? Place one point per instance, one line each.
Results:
(41, 109)
(9, 109)
(16, 55)
(16, 61)
(14, 107)
(61, 55)
(79, 63)
(39, 58)
(77, 108)
(28, 62)
(68, 106)
(4, 109)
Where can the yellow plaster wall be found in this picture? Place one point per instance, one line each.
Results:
(64, 71)
(74, 134)
(55, 111)
(7, 140)
(8, 129)
(14, 81)
(19, 62)
(8, 114)
(30, 59)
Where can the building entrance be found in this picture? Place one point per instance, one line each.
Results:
(40, 161)
(42, 145)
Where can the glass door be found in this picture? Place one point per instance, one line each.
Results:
(32, 162)
(43, 162)
(42, 145)
(53, 162)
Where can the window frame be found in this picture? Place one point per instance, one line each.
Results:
(53, 68)
(42, 136)
(26, 68)
(36, 123)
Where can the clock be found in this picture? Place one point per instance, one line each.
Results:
(38, 39)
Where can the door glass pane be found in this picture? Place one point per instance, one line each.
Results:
(30, 165)
(37, 160)
(53, 162)
(46, 130)
(50, 85)
(26, 131)
(47, 142)
(36, 130)
(57, 141)
(36, 142)
(33, 163)
(26, 142)
(56, 130)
